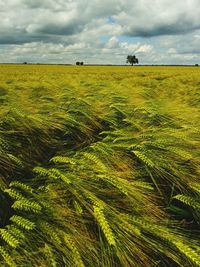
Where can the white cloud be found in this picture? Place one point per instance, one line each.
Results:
(172, 51)
(100, 31)
(144, 48)
(164, 17)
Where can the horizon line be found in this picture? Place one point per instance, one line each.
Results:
(95, 64)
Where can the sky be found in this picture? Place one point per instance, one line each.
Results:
(100, 31)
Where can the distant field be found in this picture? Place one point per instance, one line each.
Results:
(172, 87)
(99, 166)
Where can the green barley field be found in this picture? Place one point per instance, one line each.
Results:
(99, 166)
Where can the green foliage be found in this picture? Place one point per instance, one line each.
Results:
(22, 222)
(63, 160)
(8, 259)
(99, 173)
(50, 256)
(98, 213)
(26, 205)
(132, 59)
(22, 186)
(190, 201)
(76, 255)
(9, 238)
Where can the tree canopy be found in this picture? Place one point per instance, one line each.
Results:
(132, 59)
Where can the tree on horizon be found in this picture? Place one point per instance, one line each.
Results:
(79, 63)
(132, 59)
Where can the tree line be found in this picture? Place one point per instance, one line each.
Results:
(132, 59)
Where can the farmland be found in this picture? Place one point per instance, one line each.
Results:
(99, 166)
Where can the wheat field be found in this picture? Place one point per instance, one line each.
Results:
(99, 166)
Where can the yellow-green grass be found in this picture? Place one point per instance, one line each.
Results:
(177, 87)
(99, 166)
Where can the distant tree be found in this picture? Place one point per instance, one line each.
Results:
(132, 59)
(25, 63)
(79, 63)
(196, 65)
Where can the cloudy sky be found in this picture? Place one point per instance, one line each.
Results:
(100, 31)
